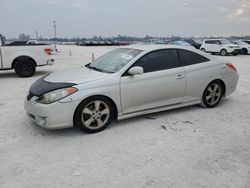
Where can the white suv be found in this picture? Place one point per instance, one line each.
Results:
(245, 47)
(221, 46)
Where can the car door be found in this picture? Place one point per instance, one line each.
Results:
(217, 46)
(212, 46)
(162, 83)
(198, 71)
(207, 45)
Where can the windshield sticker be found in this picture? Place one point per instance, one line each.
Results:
(128, 57)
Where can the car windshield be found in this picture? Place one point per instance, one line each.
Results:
(114, 60)
(183, 43)
(225, 42)
(2, 42)
(199, 41)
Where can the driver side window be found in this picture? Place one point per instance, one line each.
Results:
(158, 60)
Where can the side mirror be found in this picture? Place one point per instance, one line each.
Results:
(135, 70)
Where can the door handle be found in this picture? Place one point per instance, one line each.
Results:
(180, 76)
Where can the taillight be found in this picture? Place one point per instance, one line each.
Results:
(48, 51)
(231, 66)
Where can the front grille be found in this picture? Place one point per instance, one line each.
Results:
(30, 95)
(237, 50)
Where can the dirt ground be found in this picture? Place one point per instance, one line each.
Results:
(188, 147)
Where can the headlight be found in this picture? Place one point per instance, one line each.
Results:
(56, 95)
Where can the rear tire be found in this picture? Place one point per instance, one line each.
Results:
(25, 68)
(212, 95)
(94, 114)
(223, 52)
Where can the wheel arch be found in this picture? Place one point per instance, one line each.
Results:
(244, 50)
(21, 58)
(96, 96)
(224, 49)
(222, 83)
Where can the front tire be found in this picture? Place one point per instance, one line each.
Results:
(25, 68)
(212, 95)
(94, 114)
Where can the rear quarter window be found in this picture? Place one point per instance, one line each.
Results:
(190, 58)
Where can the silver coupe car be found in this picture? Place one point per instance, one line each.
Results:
(129, 82)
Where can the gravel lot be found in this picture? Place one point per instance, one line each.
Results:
(188, 147)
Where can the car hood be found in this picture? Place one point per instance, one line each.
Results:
(76, 75)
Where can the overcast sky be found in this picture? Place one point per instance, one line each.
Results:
(86, 18)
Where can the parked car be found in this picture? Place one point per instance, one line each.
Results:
(24, 58)
(23, 43)
(193, 43)
(32, 42)
(220, 46)
(245, 47)
(247, 41)
(129, 82)
(179, 43)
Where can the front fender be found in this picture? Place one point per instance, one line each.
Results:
(111, 91)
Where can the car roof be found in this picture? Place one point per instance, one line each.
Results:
(214, 39)
(153, 47)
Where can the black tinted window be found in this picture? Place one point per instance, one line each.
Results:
(211, 42)
(190, 58)
(158, 60)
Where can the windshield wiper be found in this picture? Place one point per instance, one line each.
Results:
(95, 68)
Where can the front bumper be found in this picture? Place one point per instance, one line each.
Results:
(236, 51)
(50, 62)
(57, 115)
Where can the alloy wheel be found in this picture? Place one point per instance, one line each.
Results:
(95, 114)
(213, 94)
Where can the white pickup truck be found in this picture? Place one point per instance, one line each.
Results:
(24, 59)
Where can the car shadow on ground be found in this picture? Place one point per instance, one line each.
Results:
(12, 74)
(162, 114)
(37, 130)
(74, 132)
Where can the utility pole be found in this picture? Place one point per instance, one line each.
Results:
(36, 35)
(54, 22)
